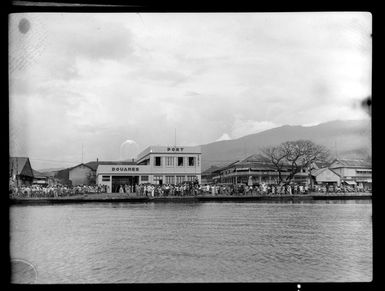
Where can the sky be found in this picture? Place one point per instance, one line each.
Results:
(87, 86)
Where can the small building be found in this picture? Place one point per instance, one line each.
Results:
(40, 179)
(325, 176)
(355, 173)
(81, 174)
(20, 171)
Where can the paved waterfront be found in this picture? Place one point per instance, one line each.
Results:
(195, 242)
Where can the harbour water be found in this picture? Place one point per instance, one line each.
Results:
(323, 241)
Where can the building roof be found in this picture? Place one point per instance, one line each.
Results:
(338, 174)
(318, 171)
(20, 166)
(157, 149)
(210, 170)
(225, 167)
(94, 164)
(254, 158)
(340, 163)
(81, 164)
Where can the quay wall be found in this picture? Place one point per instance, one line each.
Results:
(65, 200)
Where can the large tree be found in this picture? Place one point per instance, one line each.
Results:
(276, 156)
(294, 156)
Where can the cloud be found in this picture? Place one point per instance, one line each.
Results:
(245, 127)
(224, 136)
(100, 79)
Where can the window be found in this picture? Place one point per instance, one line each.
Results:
(169, 161)
(191, 161)
(157, 179)
(191, 178)
(158, 161)
(170, 180)
(180, 179)
(106, 178)
(180, 161)
(144, 178)
(363, 171)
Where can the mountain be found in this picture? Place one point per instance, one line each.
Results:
(344, 138)
(38, 174)
(50, 170)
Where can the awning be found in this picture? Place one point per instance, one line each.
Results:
(350, 182)
(364, 181)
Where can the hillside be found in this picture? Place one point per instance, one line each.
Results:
(348, 139)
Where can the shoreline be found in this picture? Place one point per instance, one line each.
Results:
(207, 198)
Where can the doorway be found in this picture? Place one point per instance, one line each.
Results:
(118, 181)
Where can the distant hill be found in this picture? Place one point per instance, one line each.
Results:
(50, 170)
(38, 174)
(345, 139)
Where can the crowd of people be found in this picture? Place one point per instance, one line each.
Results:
(194, 189)
(338, 189)
(183, 189)
(153, 190)
(54, 190)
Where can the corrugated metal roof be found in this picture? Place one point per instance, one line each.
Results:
(353, 163)
(317, 172)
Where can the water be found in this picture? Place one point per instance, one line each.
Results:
(327, 241)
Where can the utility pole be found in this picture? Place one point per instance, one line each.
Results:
(82, 153)
(17, 172)
(175, 138)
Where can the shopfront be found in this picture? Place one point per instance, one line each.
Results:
(116, 176)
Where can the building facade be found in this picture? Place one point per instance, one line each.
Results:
(155, 165)
(356, 173)
(254, 171)
(81, 174)
(325, 176)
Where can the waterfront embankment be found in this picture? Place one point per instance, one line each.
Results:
(104, 197)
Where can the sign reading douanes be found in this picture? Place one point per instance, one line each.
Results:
(125, 169)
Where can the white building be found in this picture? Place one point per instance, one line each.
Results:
(353, 172)
(155, 165)
(325, 176)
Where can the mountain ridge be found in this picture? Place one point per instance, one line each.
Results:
(344, 138)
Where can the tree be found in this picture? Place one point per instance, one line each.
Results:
(294, 156)
(91, 178)
(276, 156)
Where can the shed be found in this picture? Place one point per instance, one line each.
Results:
(326, 176)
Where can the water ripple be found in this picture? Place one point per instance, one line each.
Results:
(197, 242)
